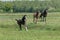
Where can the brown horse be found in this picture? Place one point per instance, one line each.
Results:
(35, 17)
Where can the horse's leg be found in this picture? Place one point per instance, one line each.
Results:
(33, 19)
(45, 19)
(20, 27)
(25, 27)
(42, 18)
(36, 20)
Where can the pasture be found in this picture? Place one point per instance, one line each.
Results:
(9, 29)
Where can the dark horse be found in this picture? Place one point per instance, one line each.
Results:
(22, 22)
(43, 14)
(35, 17)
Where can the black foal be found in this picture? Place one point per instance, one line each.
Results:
(22, 22)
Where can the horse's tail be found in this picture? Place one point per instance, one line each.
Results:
(16, 19)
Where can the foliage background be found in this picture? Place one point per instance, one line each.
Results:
(29, 6)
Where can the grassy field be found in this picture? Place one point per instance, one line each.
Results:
(9, 29)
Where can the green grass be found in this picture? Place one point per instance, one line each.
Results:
(50, 30)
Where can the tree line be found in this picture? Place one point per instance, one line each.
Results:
(29, 6)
